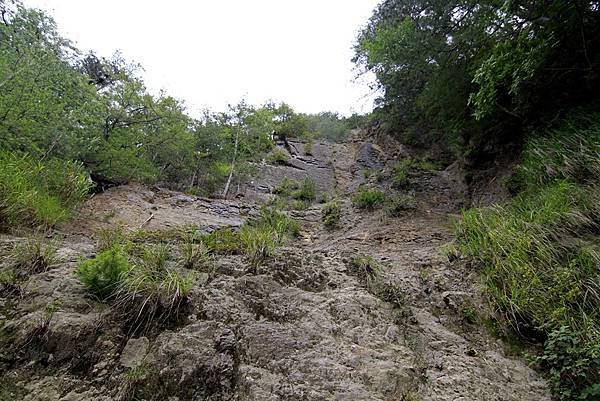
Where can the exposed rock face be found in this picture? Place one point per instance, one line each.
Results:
(305, 326)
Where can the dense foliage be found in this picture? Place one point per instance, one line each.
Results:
(540, 254)
(57, 103)
(471, 68)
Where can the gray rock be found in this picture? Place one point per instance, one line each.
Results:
(134, 352)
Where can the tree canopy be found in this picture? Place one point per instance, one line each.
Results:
(457, 63)
(56, 102)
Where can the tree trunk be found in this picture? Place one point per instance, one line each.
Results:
(226, 190)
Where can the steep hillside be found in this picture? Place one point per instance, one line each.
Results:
(369, 308)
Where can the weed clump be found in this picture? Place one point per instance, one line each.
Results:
(103, 274)
(369, 199)
(194, 253)
(400, 204)
(307, 192)
(366, 268)
(286, 187)
(295, 194)
(278, 156)
(331, 214)
(151, 291)
(33, 255)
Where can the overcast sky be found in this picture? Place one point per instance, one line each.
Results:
(213, 52)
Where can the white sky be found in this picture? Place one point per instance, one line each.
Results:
(213, 52)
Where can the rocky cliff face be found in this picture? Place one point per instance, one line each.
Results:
(306, 325)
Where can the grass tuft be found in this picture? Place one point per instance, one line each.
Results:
(540, 256)
(331, 214)
(369, 199)
(33, 255)
(38, 194)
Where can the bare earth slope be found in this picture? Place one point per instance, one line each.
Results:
(305, 326)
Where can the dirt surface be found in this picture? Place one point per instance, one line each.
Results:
(305, 326)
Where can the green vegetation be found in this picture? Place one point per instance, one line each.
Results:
(103, 274)
(308, 147)
(539, 253)
(223, 241)
(370, 199)
(307, 191)
(366, 268)
(472, 72)
(286, 187)
(257, 239)
(297, 195)
(331, 214)
(278, 156)
(139, 282)
(194, 253)
(33, 255)
(34, 193)
(151, 291)
(399, 204)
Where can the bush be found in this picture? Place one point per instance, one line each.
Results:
(574, 365)
(258, 243)
(103, 274)
(306, 192)
(278, 221)
(365, 268)
(308, 147)
(107, 238)
(278, 156)
(399, 204)
(400, 174)
(369, 199)
(194, 253)
(331, 214)
(35, 193)
(286, 187)
(222, 241)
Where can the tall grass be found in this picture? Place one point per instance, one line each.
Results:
(540, 254)
(35, 193)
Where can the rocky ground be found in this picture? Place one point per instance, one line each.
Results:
(305, 326)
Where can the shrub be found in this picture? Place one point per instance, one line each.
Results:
(400, 174)
(365, 268)
(261, 236)
(331, 214)
(103, 274)
(401, 203)
(35, 193)
(107, 238)
(286, 187)
(308, 147)
(306, 192)
(369, 199)
(278, 156)
(33, 255)
(574, 365)
(222, 241)
(10, 283)
(278, 221)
